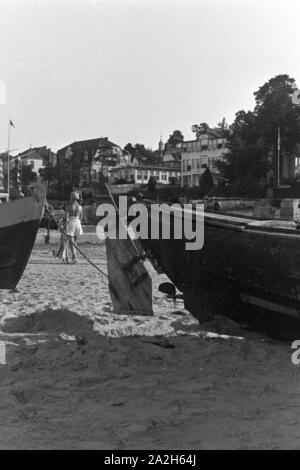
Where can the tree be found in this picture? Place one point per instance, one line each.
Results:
(143, 155)
(206, 182)
(252, 138)
(21, 176)
(152, 184)
(175, 138)
(199, 129)
(27, 175)
(130, 149)
(223, 126)
(106, 155)
(246, 160)
(277, 106)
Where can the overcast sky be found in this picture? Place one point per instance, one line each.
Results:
(131, 70)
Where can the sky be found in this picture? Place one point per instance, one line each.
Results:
(135, 70)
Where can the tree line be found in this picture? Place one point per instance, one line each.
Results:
(254, 138)
(250, 162)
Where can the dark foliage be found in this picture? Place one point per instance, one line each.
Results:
(252, 138)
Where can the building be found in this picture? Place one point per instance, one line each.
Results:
(121, 159)
(172, 157)
(38, 158)
(199, 154)
(81, 163)
(141, 174)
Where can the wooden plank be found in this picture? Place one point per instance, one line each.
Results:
(129, 282)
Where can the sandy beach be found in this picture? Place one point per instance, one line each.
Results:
(79, 377)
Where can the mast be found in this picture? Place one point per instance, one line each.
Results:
(278, 157)
(8, 162)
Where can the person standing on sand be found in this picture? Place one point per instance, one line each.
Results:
(74, 217)
(72, 228)
(63, 251)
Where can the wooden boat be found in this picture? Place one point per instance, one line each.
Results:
(130, 285)
(19, 222)
(248, 270)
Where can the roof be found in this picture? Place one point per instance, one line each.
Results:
(90, 144)
(215, 133)
(145, 167)
(174, 153)
(36, 153)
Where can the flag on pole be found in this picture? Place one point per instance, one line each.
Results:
(1, 176)
(2, 92)
(11, 123)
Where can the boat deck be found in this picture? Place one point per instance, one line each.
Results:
(240, 223)
(270, 226)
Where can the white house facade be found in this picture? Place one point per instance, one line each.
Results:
(199, 154)
(142, 174)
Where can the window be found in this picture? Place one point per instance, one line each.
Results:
(204, 165)
(139, 176)
(164, 177)
(204, 147)
(220, 146)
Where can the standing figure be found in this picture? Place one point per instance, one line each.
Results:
(73, 226)
(63, 251)
(70, 229)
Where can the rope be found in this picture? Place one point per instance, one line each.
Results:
(69, 238)
(111, 287)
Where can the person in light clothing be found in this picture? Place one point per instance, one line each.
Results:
(73, 226)
(63, 251)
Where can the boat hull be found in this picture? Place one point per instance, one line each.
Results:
(248, 273)
(19, 222)
(16, 242)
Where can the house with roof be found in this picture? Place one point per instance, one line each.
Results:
(140, 174)
(38, 158)
(172, 156)
(80, 163)
(201, 153)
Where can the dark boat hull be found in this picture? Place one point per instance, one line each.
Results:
(246, 272)
(19, 222)
(16, 242)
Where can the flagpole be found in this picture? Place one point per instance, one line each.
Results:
(8, 162)
(278, 157)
